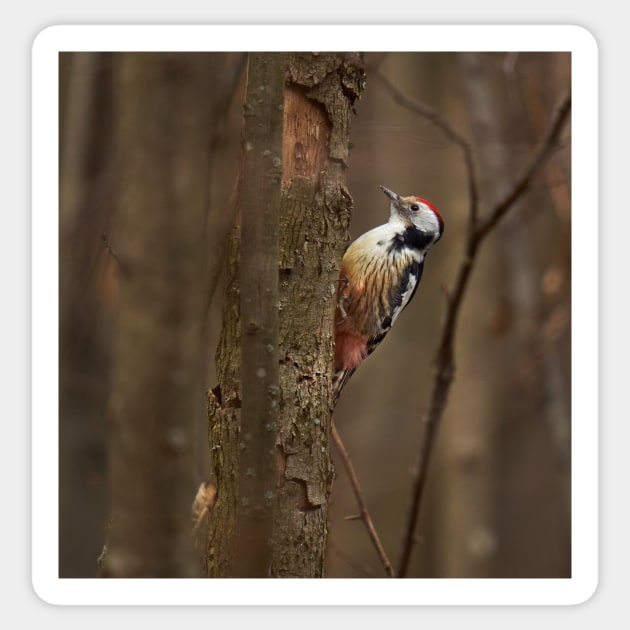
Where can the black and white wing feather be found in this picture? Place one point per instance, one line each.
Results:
(400, 296)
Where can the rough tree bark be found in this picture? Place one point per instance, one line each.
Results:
(314, 215)
(259, 202)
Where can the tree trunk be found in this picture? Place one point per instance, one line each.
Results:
(314, 215)
(259, 203)
(164, 121)
(496, 421)
(86, 303)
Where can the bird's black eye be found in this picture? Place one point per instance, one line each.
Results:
(414, 207)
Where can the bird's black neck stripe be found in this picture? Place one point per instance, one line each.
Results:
(410, 238)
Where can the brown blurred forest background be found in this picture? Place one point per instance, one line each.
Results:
(498, 500)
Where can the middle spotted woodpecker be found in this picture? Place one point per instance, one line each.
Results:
(380, 273)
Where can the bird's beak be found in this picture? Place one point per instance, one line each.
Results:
(390, 193)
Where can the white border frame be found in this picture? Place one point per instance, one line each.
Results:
(45, 171)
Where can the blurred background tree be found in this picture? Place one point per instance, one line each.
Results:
(498, 492)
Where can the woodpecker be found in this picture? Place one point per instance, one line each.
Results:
(380, 273)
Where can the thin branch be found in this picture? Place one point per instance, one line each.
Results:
(353, 517)
(432, 116)
(477, 230)
(427, 112)
(365, 515)
(444, 362)
(538, 157)
(112, 252)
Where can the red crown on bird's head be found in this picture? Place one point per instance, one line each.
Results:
(426, 202)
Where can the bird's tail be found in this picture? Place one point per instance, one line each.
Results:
(340, 378)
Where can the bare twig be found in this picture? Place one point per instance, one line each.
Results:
(365, 515)
(353, 517)
(112, 252)
(430, 114)
(538, 157)
(478, 229)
